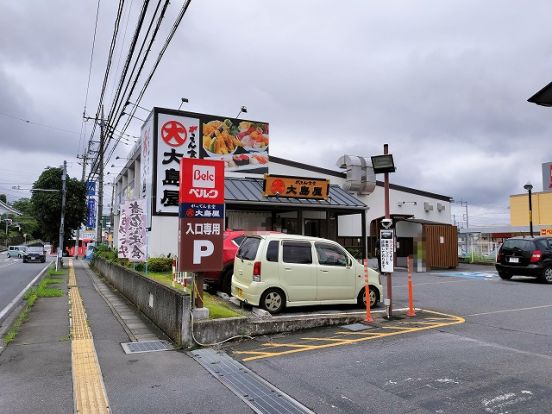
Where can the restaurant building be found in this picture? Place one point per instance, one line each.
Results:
(345, 204)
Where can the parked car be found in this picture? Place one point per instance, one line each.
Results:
(16, 251)
(278, 270)
(525, 257)
(34, 254)
(223, 279)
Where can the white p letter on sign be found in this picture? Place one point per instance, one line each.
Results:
(202, 248)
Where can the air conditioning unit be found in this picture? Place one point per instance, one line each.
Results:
(440, 207)
(428, 207)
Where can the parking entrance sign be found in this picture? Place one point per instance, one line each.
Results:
(201, 215)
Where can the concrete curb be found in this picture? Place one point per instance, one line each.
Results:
(214, 331)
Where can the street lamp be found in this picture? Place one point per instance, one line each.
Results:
(384, 164)
(529, 188)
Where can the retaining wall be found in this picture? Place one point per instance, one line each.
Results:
(165, 307)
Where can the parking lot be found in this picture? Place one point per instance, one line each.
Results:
(491, 352)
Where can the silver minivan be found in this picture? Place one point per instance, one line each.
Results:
(278, 270)
(16, 251)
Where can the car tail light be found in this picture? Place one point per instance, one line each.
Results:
(536, 256)
(499, 256)
(257, 272)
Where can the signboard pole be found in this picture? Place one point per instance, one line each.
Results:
(387, 216)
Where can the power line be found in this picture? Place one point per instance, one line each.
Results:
(38, 124)
(89, 72)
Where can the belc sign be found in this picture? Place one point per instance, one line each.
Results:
(201, 215)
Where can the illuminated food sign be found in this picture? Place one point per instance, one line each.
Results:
(296, 187)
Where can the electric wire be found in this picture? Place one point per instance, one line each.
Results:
(89, 72)
(147, 49)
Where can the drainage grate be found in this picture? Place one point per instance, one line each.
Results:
(356, 327)
(257, 393)
(146, 346)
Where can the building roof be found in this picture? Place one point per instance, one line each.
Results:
(340, 174)
(250, 191)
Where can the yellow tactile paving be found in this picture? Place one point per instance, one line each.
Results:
(268, 350)
(89, 393)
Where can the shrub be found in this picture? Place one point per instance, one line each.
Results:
(160, 264)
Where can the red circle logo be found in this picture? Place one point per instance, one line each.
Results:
(174, 133)
(278, 187)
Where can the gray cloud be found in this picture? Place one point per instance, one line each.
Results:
(444, 83)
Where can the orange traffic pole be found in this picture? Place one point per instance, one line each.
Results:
(367, 293)
(410, 311)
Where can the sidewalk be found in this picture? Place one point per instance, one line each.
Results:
(36, 369)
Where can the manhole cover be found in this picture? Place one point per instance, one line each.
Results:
(356, 327)
(146, 346)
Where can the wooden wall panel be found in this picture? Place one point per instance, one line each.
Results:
(441, 246)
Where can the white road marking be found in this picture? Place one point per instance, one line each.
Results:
(15, 300)
(509, 310)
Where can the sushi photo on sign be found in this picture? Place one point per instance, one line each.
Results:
(242, 145)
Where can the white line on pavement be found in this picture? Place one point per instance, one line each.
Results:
(509, 310)
(8, 308)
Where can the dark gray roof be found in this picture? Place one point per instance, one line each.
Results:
(250, 191)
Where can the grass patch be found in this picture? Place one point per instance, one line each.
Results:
(40, 291)
(217, 307)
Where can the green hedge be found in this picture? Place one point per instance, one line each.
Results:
(155, 264)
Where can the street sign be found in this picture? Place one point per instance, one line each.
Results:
(387, 250)
(201, 215)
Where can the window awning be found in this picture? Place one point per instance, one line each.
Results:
(249, 191)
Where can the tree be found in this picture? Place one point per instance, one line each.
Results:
(47, 205)
(3, 198)
(27, 221)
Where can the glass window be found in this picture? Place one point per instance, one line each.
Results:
(248, 248)
(272, 251)
(296, 252)
(330, 255)
(238, 240)
(519, 244)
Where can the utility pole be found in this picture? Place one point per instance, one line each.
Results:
(84, 158)
(62, 223)
(100, 180)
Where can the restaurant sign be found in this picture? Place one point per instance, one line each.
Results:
(295, 187)
(201, 215)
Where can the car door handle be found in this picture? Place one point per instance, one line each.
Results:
(323, 271)
(287, 268)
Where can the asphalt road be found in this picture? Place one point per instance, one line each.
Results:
(498, 361)
(14, 276)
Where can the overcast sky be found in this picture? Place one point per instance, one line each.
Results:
(444, 83)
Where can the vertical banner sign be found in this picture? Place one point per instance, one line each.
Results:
(136, 230)
(386, 250)
(177, 138)
(146, 166)
(91, 213)
(201, 215)
(122, 234)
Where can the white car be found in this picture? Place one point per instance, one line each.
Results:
(278, 270)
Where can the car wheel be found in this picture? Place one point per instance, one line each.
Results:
(273, 300)
(226, 281)
(374, 297)
(505, 275)
(546, 276)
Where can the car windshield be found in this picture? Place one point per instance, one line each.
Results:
(35, 249)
